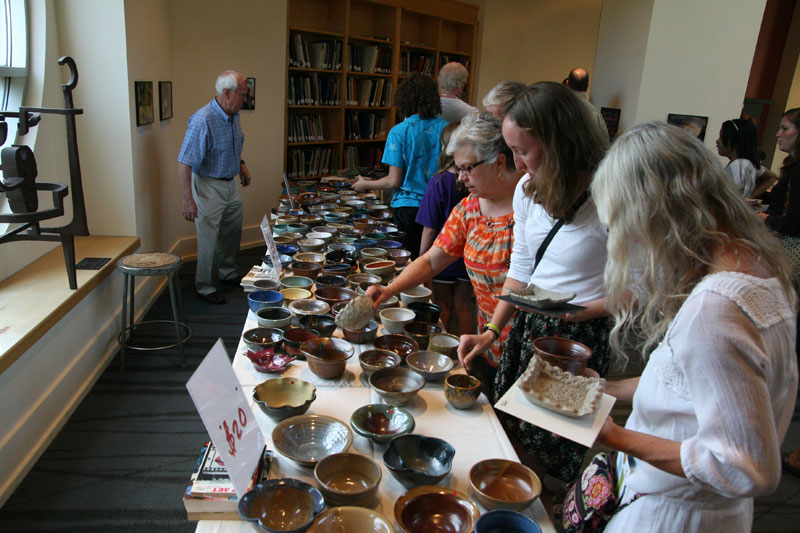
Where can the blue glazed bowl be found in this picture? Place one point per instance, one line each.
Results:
(282, 505)
(287, 249)
(389, 244)
(360, 244)
(261, 299)
(418, 460)
(503, 520)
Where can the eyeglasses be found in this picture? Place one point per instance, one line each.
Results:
(469, 168)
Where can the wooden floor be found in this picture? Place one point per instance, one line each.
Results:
(38, 296)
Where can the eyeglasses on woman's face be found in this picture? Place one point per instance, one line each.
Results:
(467, 169)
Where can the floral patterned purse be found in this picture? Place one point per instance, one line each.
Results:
(591, 500)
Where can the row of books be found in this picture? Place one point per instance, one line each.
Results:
(416, 62)
(326, 55)
(313, 162)
(361, 125)
(369, 93)
(371, 59)
(362, 156)
(445, 58)
(305, 128)
(310, 89)
(211, 495)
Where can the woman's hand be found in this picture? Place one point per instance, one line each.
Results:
(608, 426)
(472, 345)
(361, 184)
(379, 294)
(594, 309)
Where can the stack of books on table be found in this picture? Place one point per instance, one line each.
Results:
(210, 495)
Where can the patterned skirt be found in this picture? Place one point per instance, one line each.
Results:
(561, 457)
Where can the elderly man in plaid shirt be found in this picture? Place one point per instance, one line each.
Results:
(209, 160)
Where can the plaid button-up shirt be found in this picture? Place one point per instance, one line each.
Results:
(213, 142)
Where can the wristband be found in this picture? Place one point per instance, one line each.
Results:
(241, 162)
(494, 329)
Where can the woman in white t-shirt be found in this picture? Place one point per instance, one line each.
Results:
(737, 141)
(557, 141)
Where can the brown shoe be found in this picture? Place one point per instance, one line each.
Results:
(214, 298)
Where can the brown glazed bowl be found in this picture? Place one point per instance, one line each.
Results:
(363, 335)
(564, 353)
(332, 295)
(462, 390)
(306, 269)
(281, 398)
(355, 279)
(433, 508)
(445, 343)
(396, 386)
(324, 324)
(293, 338)
(327, 357)
(399, 344)
(351, 518)
(504, 484)
(348, 479)
(381, 422)
(266, 503)
(421, 332)
(399, 256)
(372, 360)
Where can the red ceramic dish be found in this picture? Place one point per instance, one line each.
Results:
(268, 361)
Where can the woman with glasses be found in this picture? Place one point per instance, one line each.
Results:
(479, 229)
(555, 138)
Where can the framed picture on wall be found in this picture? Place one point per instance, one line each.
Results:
(250, 101)
(694, 124)
(165, 99)
(611, 118)
(144, 102)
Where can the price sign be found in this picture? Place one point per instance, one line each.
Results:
(272, 250)
(226, 413)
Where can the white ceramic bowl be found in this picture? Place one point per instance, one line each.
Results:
(415, 294)
(394, 318)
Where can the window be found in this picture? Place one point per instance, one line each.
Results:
(13, 58)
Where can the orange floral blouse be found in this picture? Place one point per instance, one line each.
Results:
(485, 244)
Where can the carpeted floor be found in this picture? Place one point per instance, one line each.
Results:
(122, 461)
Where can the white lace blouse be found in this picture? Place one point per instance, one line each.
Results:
(723, 383)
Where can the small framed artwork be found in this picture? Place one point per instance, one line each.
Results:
(165, 99)
(694, 124)
(250, 101)
(611, 118)
(144, 102)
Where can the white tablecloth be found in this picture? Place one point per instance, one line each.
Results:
(475, 433)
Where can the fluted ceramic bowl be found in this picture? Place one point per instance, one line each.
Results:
(306, 439)
(281, 398)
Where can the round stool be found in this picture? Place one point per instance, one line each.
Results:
(151, 264)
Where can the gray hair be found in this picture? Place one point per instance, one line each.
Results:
(502, 93)
(227, 80)
(482, 133)
(452, 76)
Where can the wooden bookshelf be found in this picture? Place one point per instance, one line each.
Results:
(374, 34)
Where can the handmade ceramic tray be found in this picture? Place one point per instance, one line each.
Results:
(539, 297)
(356, 314)
(557, 311)
(554, 389)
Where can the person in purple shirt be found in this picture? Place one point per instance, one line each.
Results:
(452, 290)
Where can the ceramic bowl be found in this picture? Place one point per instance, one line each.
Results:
(355, 279)
(309, 307)
(335, 217)
(425, 312)
(396, 386)
(387, 228)
(433, 508)
(399, 344)
(506, 520)
(261, 299)
(462, 390)
(375, 253)
(294, 293)
(324, 324)
(300, 282)
(294, 337)
(332, 295)
(415, 294)
(504, 484)
(279, 229)
(319, 235)
(295, 236)
(433, 366)
(363, 335)
(375, 236)
(281, 398)
(381, 422)
(306, 439)
(419, 460)
(380, 268)
(310, 257)
(297, 227)
(338, 269)
(285, 260)
(287, 249)
(350, 518)
(282, 239)
(421, 332)
(266, 285)
(399, 256)
(331, 280)
(267, 502)
(391, 301)
(364, 224)
(257, 339)
(306, 269)
(348, 479)
(327, 356)
(395, 318)
(326, 229)
(342, 256)
(445, 343)
(372, 360)
(269, 361)
(360, 244)
(390, 244)
(566, 354)
(285, 220)
(341, 247)
(338, 306)
(274, 317)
